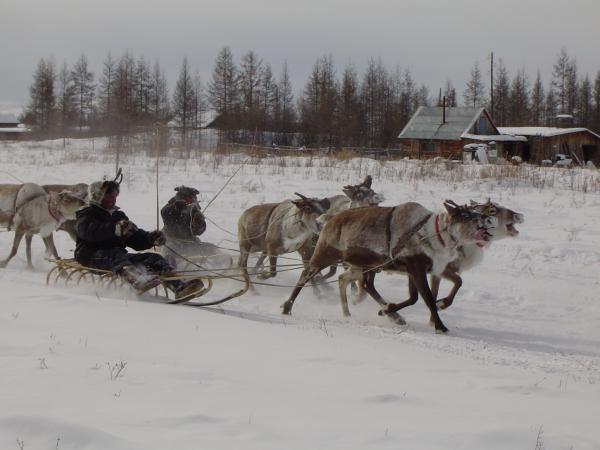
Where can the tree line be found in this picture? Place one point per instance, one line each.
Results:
(249, 103)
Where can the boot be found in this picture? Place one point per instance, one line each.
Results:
(189, 289)
(185, 289)
(139, 278)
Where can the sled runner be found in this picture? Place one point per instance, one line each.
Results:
(69, 271)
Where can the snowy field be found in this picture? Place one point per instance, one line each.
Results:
(519, 369)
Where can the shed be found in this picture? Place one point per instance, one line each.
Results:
(440, 131)
(581, 144)
(10, 128)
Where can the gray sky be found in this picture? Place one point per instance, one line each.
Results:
(436, 39)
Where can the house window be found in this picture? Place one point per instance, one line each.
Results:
(428, 147)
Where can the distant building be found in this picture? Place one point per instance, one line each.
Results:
(543, 143)
(441, 131)
(10, 128)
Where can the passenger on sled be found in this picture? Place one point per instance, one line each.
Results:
(103, 234)
(184, 222)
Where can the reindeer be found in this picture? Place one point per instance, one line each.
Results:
(470, 255)
(278, 228)
(13, 196)
(41, 214)
(406, 238)
(355, 196)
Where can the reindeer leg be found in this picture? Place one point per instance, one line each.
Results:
(306, 275)
(272, 269)
(49, 240)
(419, 276)
(260, 261)
(413, 293)
(16, 241)
(272, 266)
(344, 279)
(316, 281)
(28, 239)
(243, 264)
(434, 284)
(369, 286)
(457, 281)
(358, 292)
(331, 272)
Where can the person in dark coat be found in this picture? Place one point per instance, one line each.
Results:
(182, 216)
(103, 234)
(183, 223)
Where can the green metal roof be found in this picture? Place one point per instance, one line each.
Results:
(426, 123)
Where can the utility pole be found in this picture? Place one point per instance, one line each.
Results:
(492, 86)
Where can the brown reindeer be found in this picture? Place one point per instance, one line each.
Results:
(406, 238)
(469, 255)
(278, 228)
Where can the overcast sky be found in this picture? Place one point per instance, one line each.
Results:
(436, 39)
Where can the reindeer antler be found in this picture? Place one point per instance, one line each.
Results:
(452, 203)
(119, 176)
(301, 196)
(367, 182)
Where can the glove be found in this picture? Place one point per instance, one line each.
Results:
(125, 228)
(158, 237)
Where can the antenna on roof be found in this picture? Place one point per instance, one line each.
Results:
(444, 110)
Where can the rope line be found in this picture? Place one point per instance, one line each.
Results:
(237, 279)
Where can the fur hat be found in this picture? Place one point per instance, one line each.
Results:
(98, 189)
(185, 191)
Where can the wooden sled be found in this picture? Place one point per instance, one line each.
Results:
(69, 271)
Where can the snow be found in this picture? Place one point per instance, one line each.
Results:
(520, 367)
(14, 130)
(505, 137)
(541, 131)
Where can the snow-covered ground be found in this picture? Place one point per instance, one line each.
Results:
(520, 368)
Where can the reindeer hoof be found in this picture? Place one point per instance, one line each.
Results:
(266, 275)
(442, 303)
(441, 330)
(286, 308)
(396, 318)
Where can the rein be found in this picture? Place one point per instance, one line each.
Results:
(230, 277)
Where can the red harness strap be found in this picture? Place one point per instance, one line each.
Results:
(437, 230)
(50, 211)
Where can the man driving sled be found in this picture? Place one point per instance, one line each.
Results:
(104, 232)
(184, 222)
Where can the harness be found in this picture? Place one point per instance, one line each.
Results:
(401, 242)
(437, 230)
(50, 210)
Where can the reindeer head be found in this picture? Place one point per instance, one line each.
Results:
(309, 209)
(507, 218)
(465, 224)
(80, 190)
(67, 203)
(362, 194)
